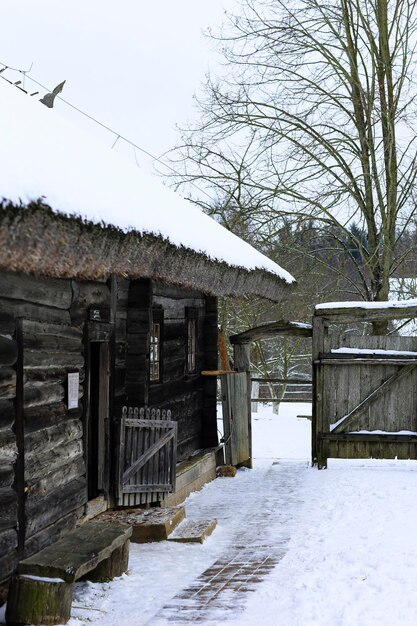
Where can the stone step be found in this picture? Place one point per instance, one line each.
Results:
(148, 525)
(193, 531)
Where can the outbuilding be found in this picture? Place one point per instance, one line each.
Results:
(108, 299)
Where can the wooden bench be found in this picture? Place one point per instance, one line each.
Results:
(41, 591)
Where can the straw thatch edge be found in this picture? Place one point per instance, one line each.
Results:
(35, 240)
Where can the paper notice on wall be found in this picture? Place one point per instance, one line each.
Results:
(73, 389)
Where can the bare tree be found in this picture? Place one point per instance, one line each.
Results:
(314, 117)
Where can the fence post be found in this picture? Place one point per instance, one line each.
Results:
(317, 425)
(241, 357)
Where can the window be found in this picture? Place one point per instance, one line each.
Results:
(155, 352)
(192, 318)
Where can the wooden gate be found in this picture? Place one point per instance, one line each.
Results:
(365, 397)
(147, 456)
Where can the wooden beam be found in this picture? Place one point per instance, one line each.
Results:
(364, 361)
(372, 397)
(286, 381)
(385, 438)
(273, 329)
(346, 314)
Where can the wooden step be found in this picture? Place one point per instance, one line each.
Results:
(154, 524)
(79, 552)
(192, 531)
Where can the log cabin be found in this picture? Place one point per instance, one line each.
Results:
(108, 298)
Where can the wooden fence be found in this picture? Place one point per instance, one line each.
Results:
(365, 391)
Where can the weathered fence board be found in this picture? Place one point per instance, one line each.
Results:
(235, 417)
(365, 401)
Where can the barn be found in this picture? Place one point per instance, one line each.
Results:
(108, 299)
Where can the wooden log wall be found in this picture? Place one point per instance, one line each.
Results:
(191, 398)
(43, 488)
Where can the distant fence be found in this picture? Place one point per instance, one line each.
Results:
(281, 389)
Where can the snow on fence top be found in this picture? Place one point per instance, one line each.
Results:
(392, 304)
(44, 156)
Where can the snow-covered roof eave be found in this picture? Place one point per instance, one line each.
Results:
(36, 240)
(43, 156)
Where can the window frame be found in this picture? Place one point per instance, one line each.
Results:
(156, 347)
(191, 340)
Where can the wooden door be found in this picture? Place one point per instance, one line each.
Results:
(147, 456)
(98, 416)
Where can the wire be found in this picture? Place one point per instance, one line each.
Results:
(93, 119)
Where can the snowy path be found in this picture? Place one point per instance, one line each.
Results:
(259, 513)
(170, 583)
(293, 547)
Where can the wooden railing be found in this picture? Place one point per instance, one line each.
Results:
(287, 389)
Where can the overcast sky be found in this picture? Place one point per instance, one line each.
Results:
(132, 64)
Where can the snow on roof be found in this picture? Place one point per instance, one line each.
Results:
(44, 156)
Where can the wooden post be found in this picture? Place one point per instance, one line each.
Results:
(317, 452)
(38, 601)
(115, 565)
(241, 356)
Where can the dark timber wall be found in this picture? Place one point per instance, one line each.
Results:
(191, 398)
(50, 327)
(42, 469)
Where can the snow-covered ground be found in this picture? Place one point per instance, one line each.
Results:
(342, 541)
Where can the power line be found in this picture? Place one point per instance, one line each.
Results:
(96, 121)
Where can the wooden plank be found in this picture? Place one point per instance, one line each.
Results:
(57, 504)
(8, 351)
(54, 292)
(374, 395)
(121, 461)
(38, 465)
(52, 436)
(10, 310)
(56, 359)
(341, 359)
(367, 437)
(8, 509)
(78, 552)
(38, 395)
(7, 383)
(273, 329)
(8, 564)
(50, 534)
(46, 330)
(6, 474)
(235, 405)
(193, 531)
(342, 315)
(41, 487)
(319, 335)
(162, 440)
(149, 488)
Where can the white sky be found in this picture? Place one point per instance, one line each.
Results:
(131, 64)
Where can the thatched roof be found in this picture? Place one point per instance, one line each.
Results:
(71, 208)
(37, 241)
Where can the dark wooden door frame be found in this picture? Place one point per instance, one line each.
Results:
(101, 335)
